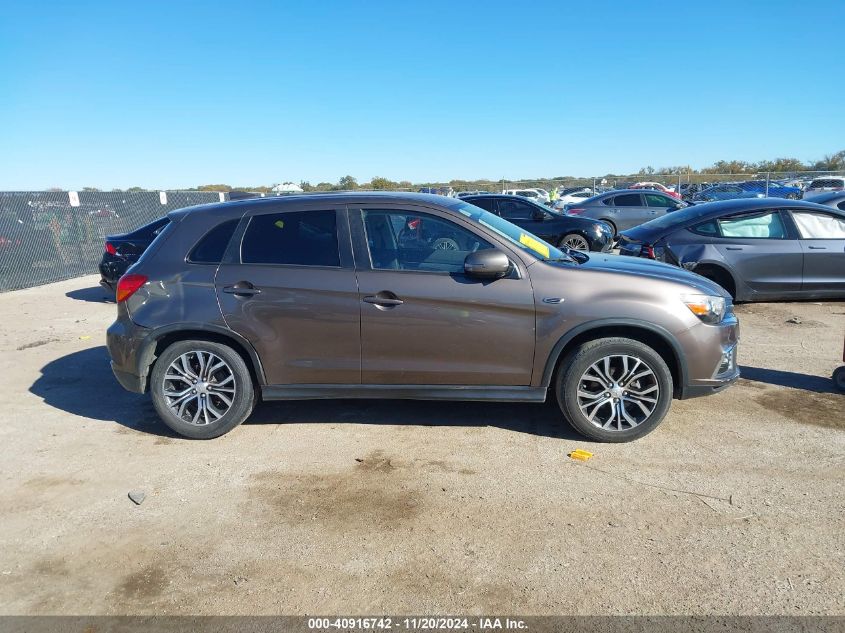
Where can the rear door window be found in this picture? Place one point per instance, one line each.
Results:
(297, 238)
(628, 200)
(766, 225)
(484, 203)
(515, 210)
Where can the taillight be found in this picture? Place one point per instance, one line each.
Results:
(128, 285)
(110, 249)
(575, 211)
(647, 251)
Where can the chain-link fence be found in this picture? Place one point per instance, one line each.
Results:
(690, 185)
(47, 236)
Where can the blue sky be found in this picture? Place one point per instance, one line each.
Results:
(177, 94)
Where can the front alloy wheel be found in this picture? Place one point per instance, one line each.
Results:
(618, 392)
(576, 242)
(614, 389)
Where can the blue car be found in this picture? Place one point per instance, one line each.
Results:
(747, 189)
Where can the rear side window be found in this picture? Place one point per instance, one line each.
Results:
(300, 238)
(827, 183)
(627, 200)
(706, 228)
(210, 249)
(755, 226)
(483, 203)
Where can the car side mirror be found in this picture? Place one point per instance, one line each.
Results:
(489, 263)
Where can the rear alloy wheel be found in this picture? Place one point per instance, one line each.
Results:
(201, 389)
(614, 389)
(575, 242)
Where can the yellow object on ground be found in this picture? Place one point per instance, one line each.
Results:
(580, 455)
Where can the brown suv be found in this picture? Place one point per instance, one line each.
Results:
(410, 296)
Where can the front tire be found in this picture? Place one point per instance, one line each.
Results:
(576, 242)
(614, 389)
(201, 389)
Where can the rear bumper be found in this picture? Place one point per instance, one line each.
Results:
(125, 343)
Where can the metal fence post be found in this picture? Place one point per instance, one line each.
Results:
(767, 184)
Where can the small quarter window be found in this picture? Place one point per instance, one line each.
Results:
(210, 249)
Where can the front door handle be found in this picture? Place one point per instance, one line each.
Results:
(384, 299)
(818, 248)
(242, 289)
(733, 248)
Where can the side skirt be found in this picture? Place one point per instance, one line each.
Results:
(405, 392)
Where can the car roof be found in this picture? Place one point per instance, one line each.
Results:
(709, 210)
(335, 197)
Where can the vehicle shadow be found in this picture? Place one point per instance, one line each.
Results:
(82, 383)
(97, 294)
(787, 379)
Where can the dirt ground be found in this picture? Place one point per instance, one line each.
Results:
(734, 505)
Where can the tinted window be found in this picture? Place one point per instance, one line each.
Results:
(841, 205)
(706, 228)
(149, 231)
(656, 200)
(211, 247)
(483, 203)
(830, 183)
(766, 225)
(628, 200)
(515, 210)
(407, 240)
(301, 238)
(819, 226)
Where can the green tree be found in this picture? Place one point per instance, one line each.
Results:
(383, 184)
(347, 183)
(90, 189)
(214, 188)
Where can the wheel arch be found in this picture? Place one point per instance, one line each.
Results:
(163, 337)
(656, 337)
(720, 270)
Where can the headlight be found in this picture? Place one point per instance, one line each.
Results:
(706, 307)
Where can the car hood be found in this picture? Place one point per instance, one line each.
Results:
(637, 267)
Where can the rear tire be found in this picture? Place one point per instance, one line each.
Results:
(839, 378)
(201, 389)
(614, 389)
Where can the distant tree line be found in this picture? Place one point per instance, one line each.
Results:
(831, 162)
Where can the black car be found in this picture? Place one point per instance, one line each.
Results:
(580, 234)
(124, 250)
(757, 249)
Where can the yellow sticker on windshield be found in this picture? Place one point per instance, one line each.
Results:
(535, 245)
(279, 223)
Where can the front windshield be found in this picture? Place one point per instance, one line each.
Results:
(518, 237)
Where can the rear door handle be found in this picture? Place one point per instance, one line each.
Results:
(242, 289)
(818, 248)
(733, 248)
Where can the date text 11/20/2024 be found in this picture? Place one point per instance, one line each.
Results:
(416, 624)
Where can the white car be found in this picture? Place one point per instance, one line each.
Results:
(570, 198)
(531, 194)
(824, 184)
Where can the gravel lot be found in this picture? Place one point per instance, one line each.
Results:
(734, 505)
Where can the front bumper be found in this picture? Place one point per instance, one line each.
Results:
(711, 359)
